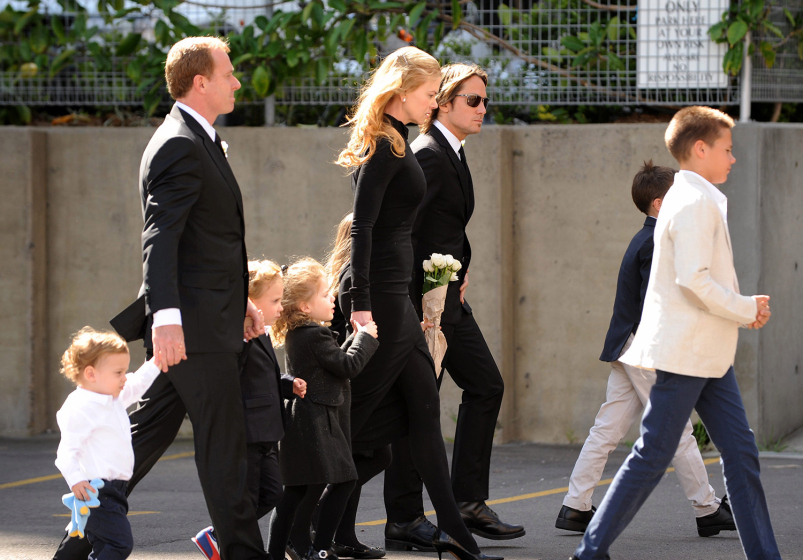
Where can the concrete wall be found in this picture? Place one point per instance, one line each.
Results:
(552, 220)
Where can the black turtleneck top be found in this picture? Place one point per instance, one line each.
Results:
(387, 192)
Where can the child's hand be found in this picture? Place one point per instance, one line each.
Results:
(369, 327)
(82, 490)
(763, 314)
(299, 387)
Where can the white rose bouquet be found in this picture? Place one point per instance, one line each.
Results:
(439, 270)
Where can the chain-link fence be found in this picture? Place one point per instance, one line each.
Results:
(556, 52)
(784, 81)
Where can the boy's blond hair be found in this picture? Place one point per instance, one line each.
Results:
(261, 275)
(691, 124)
(301, 281)
(188, 58)
(87, 348)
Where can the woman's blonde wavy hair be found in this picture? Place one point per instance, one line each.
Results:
(340, 254)
(301, 281)
(402, 71)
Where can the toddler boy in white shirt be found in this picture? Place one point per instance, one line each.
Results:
(96, 433)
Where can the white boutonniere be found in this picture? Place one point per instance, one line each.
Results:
(225, 146)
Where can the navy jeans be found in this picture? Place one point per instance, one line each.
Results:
(719, 404)
(107, 528)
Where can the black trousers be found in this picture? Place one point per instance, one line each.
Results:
(264, 476)
(107, 529)
(207, 387)
(472, 367)
(395, 395)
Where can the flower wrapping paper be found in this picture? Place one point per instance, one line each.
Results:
(433, 303)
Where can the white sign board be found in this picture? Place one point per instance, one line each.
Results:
(674, 49)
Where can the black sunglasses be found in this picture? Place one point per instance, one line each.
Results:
(473, 100)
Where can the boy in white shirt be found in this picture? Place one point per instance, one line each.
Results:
(688, 335)
(96, 433)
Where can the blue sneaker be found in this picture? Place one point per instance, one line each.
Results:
(207, 543)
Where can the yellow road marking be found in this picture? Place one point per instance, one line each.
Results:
(531, 496)
(130, 513)
(55, 476)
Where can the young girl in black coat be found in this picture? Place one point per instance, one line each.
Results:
(316, 449)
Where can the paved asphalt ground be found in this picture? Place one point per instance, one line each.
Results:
(167, 508)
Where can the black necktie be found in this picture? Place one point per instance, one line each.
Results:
(463, 157)
(219, 144)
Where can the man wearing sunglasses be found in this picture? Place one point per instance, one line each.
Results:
(440, 227)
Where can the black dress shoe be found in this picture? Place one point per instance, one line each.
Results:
(720, 520)
(483, 521)
(444, 543)
(417, 534)
(362, 552)
(313, 554)
(571, 519)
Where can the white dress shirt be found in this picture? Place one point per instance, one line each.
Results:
(451, 138)
(172, 315)
(96, 432)
(210, 130)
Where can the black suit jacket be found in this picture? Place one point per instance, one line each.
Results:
(193, 241)
(264, 388)
(634, 275)
(440, 225)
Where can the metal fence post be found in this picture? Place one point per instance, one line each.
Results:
(747, 71)
(270, 110)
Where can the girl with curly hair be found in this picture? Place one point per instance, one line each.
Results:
(316, 449)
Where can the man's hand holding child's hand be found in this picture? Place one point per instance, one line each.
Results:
(254, 324)
(369, 327)
(299, 387)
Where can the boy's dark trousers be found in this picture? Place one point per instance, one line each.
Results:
(472, 367)
(107, 529)
(264, 478)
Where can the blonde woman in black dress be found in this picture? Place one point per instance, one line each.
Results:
(396, 393)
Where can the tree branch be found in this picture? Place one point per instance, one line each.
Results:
(484, 34)
(612, 8)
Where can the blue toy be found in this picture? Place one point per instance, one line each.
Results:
(80, 509)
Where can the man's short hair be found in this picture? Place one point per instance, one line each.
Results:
(691, 124)
(453, 76)
(651, 182)
(188, 58)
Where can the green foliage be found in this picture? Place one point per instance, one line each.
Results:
(701, 435)
(754, 16)
(541, 33)
(772, 443)
(266, 54)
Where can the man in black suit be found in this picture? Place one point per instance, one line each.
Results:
(440, 227)
(193, 300)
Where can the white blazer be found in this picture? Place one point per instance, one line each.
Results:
(692, 308)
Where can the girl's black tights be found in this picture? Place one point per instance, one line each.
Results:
(330, 514)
